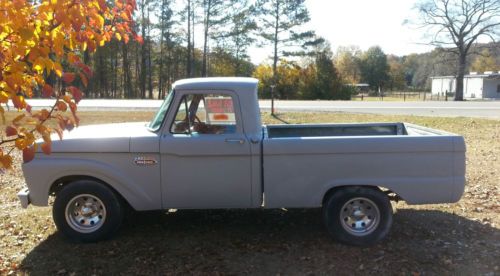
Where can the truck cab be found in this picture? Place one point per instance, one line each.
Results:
(211, 130)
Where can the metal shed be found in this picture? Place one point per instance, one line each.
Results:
(476, 86)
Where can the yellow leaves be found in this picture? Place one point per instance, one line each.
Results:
(58, 69)
(18, 119)
(44, 114)
(25, 140)
(41, 129)
(26, 33)
(47, 142)
(37, 38)
(21, 143)
(5, 161)
(60, 16)
(39, 65)
(58, 41)
(39, 24)
(48, 64)
(19, 102)
(67, 98)
(13, 80)
(18, 4)
(100, 19)
(45, 132)
(17, 67)
(124, 16)
(485, 62)
(39, 80)
(4, 97)
(126, 38)
(73, 58)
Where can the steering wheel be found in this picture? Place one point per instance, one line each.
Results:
(199, 126)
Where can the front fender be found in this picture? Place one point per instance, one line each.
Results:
(139, 186)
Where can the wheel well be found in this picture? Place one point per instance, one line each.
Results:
(392, 195)
(63, 181)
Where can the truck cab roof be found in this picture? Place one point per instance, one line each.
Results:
(225, 83)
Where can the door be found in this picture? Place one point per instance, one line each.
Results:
(205, 156)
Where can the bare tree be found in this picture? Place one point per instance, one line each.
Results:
(457, 25)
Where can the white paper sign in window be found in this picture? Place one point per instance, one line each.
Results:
(220, 110)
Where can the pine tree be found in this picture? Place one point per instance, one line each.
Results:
(215, 14)
(280, 22)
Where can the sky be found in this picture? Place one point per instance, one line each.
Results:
(364, 23)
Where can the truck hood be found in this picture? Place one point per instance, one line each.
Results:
(101, 138)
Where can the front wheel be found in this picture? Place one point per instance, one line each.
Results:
(358, 215)
(87, 211)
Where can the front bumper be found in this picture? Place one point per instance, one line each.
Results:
(24, 197)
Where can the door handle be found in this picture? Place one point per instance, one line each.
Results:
(239, 141)
(254, 140)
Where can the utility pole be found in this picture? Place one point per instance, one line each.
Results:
(272, 98)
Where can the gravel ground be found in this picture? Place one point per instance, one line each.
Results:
(461, 238)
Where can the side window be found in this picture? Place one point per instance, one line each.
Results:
(205, 114)
(181, 123)
(498, 88)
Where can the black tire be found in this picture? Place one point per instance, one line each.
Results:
(364, 227)
(101, 218)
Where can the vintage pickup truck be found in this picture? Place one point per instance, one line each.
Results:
(206, 149)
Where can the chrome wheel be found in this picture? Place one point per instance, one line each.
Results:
(85, 213)
(359, 216)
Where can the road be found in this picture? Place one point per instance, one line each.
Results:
(479, 109)
(490, 109)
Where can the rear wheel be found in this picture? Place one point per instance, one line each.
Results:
(87, 211)
(358, 215)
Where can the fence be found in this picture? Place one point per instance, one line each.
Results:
(402, 96)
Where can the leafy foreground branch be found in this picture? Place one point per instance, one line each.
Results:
(20, 137)
(42, 49)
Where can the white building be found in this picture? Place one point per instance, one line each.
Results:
(476, 86)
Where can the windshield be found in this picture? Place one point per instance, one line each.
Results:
(160, 115)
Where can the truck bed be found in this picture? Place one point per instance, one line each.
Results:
(422, 165)
(369, 129)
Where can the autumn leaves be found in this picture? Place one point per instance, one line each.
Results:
(41, 51)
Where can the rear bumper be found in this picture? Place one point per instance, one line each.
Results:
(24, 197)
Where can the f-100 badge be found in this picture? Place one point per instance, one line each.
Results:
(145, 161)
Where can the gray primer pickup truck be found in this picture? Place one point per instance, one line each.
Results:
(206, 149)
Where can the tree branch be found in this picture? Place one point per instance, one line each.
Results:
(5, 141)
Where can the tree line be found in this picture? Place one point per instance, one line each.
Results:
(169, 51)
(302, 65)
